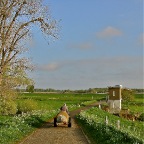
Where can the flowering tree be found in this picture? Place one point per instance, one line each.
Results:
(16, 19)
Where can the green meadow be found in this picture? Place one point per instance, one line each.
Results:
(39, 107)
(137, 105)
(95, 126)
(51, 101)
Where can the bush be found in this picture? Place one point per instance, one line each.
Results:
(30, 88)
(141, 117)
(127, 95)
(27, 106)
(7, 107)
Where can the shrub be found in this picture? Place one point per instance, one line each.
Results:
(7, 107)
(27, 106)
(141, 117)
(127, 95)
(30, 88)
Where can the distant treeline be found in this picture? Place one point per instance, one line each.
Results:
(90, 90)
(138, 90)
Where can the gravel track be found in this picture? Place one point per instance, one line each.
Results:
(48, 134)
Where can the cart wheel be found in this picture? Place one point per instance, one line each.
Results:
(55, 122)
(69, 120)
(69, 123)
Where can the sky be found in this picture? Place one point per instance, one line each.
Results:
(100, 44)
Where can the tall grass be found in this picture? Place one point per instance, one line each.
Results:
(101, 131)
(14, 128)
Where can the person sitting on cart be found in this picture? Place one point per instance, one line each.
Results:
(64, 108)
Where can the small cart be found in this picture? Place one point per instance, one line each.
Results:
(63, 119)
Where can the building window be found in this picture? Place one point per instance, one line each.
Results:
(113, 93)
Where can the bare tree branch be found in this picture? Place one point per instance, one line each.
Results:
(16, 19)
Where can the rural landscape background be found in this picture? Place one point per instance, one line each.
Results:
(55, 52)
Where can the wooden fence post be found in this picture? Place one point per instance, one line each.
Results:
(118, 124)
(106, 120)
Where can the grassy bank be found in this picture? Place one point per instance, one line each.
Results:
(103, 128)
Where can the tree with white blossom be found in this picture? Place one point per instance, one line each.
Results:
(17, 17)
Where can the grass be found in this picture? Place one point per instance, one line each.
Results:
(56, 100)
(93, 122)
(137, 105)
(14, 128)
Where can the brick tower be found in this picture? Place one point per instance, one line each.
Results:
(114, 99)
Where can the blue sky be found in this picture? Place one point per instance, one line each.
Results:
(100, 44)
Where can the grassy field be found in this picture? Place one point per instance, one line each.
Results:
(50, 101)
(137, 105)
(14, 128)
(94, 124)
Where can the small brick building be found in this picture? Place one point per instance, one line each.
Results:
(114, 98)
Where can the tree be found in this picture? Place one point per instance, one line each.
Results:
(91, 90)
(127, 95)
(30, 88)
(16, 19)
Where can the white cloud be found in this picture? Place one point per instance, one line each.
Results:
(109, 32)
(49, 67)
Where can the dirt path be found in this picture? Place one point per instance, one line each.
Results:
(48, 134)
